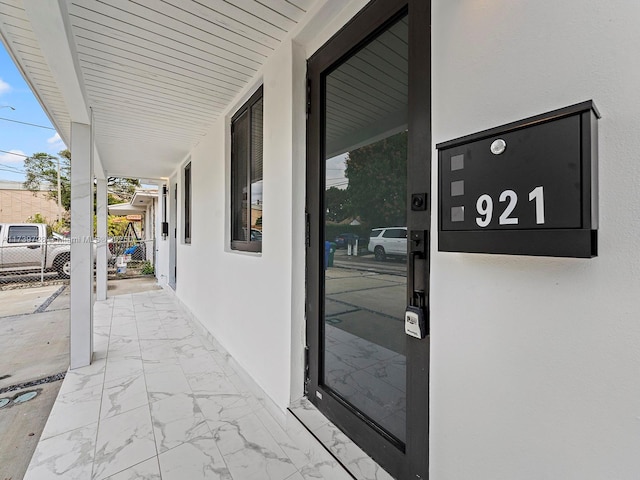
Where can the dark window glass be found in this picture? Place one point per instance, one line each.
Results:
(395, 233)
(23, 234)
(246, 176)
(187, 203)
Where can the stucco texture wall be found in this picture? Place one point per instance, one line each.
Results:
(244, 299)
(536, 361)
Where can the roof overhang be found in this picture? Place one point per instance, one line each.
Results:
(125, 209)
(151, 77)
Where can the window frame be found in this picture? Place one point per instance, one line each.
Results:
(187, 212)
(244, 245)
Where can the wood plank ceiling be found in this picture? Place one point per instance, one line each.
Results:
(367, 95)
(156, 73)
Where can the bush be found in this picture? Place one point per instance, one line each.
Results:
(331, 230)
(147, 268)
(59, 226)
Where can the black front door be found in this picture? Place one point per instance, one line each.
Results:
(368, 183)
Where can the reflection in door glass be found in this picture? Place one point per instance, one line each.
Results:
(365, 229)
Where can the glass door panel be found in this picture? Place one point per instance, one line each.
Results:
(365, 227)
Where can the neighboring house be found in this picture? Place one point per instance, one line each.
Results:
(141, 209)
(530, 369)
(17, 204)
(144, 202)
(354, 222)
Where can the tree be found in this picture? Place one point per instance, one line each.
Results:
(121, 189)
(377, 176)
(336, 203)
(42, 169)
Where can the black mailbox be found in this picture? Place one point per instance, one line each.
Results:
(526, 188)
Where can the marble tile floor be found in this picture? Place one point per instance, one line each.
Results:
(163, 400)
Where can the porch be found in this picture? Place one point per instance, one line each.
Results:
(162, 399)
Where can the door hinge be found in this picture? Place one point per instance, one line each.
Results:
(308, 97)
(307, 229)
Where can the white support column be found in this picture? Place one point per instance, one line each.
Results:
(101, 233)
(81, 331)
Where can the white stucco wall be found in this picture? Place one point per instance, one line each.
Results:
(254, 303)
(536, 361)
(244, 299)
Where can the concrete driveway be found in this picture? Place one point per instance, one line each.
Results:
(34, 356)
(34, 347)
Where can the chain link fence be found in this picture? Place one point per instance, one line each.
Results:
(31, 260)
(131, 257)
(38, 262)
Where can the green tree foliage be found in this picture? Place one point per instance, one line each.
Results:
(42, 169)
(377, 176)
(122, 189)
(116, 225)
(336, 203)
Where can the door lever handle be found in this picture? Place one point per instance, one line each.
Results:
(416, 318)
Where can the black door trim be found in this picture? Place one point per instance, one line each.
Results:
(374, 18)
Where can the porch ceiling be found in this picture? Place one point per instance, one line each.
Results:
(155, 73)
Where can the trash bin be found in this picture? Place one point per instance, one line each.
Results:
(329, 251)
(121, 265)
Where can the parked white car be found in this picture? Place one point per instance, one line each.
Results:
(388, 241)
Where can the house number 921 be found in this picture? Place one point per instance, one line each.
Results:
(484, 206)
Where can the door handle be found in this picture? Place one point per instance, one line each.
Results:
(33, 247)
(417, 314)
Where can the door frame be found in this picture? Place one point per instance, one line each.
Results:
(413, 460)
(173, 231)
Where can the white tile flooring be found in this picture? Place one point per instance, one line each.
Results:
(162, 400)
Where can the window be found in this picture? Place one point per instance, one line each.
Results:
(246, 176)
(23, 234)
(395, 233)
(187, 203)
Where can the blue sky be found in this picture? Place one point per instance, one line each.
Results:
(15, 137)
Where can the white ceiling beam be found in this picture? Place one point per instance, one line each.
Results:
(48, 19)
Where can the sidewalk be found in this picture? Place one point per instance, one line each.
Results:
(162, 401)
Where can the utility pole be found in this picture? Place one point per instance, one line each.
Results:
(59, 193)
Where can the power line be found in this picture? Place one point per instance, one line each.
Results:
(25, 123)
(15, 169)
(16, 154)
(11, 171)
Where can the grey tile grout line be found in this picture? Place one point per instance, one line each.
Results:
(194, 395)
(104, 376)
(157, 455)
(146, 389)
(144, 376)
(323, 445)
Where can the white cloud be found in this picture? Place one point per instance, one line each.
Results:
(56, 142)
(10, 158)
(4, 87)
